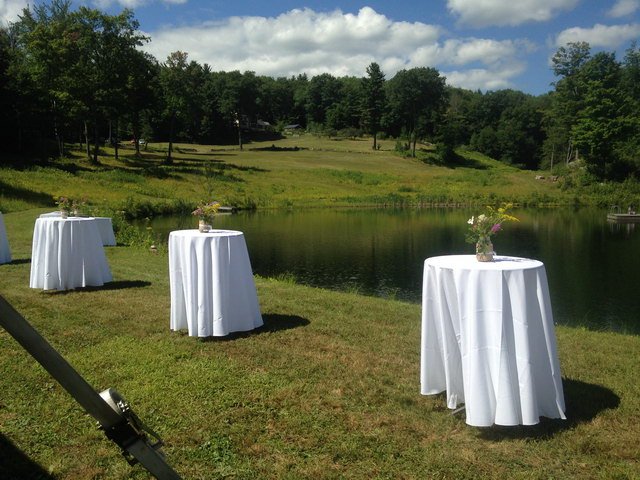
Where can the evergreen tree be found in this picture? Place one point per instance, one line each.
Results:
(374, 101)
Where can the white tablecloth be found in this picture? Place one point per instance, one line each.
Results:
(488, 339)
(212, 288)
(5, 251)
(67, 253)
(105, 227)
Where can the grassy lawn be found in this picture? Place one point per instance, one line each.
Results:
(302, 172)
(328, 388)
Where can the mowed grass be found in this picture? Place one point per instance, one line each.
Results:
(327, 389)
(303, 171)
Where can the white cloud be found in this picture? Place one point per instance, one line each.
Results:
(485, 79)
(484, 13)
(622, 8)
(103, 4)
(605, 36)
(305, 41)
(10, 9)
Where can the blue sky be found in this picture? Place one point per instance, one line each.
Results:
(475, 44)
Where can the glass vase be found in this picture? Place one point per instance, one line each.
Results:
(484, 250)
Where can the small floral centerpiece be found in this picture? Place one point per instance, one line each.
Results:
(64, 204)
(204, 212)
(77, 206)
(483, 226)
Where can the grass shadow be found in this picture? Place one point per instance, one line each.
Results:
(117, 285)
(583, 401)
(273, 322)
(273, 148)
(455, 161)
(19, 261)
(15, 465)
(30, 196)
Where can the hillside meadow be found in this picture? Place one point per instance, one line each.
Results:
(329, 387)
(296, 172)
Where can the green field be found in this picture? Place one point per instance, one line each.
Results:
(303, 171)
(328, 389)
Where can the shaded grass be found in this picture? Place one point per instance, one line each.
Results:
(329, 388)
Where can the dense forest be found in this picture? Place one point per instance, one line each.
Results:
(80, 76)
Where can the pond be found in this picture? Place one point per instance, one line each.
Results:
(593, 266)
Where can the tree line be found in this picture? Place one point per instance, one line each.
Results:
(80, 76)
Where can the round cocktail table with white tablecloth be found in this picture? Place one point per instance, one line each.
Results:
(212, 288)
(488, 339)
(67, 253)
(5, 251)
(105, 227)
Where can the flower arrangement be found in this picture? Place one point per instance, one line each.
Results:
(483, 226)
(77, 206)
(206, 210)
(64, 203)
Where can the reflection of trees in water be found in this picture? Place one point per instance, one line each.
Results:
(625, 228)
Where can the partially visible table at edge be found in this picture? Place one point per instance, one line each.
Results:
(488, 339)
(67, 253)
(213, 292)
(5, 251)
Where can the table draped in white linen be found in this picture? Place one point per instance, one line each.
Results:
(488, 339)
(51, 214)
(105, 227)
(67, 253)
(213, 292)
(5, 251)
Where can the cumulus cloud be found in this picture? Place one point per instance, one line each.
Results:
(10, 9)
(485, 79)
(133, 3)
(103, 4)
(622, 8)
(484, 13)
(305, 41)
(605, 36)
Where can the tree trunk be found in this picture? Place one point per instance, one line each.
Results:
(95, 142)
(136, 132)
(115, 140)
(415, 140)
(169, 160)
(86, 139)
(375, 144)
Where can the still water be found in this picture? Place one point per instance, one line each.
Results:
(593, 266)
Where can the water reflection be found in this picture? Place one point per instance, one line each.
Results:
(593, 267)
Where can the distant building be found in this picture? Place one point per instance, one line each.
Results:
(262, 125)
(289, 129)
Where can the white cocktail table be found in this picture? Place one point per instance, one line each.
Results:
(67, 253)
(488, 339)
(212, 287)
(5, 251)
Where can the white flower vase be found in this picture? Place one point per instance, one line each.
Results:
(202, 226)
(64, 213)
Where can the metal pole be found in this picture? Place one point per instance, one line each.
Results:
(115, 418)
